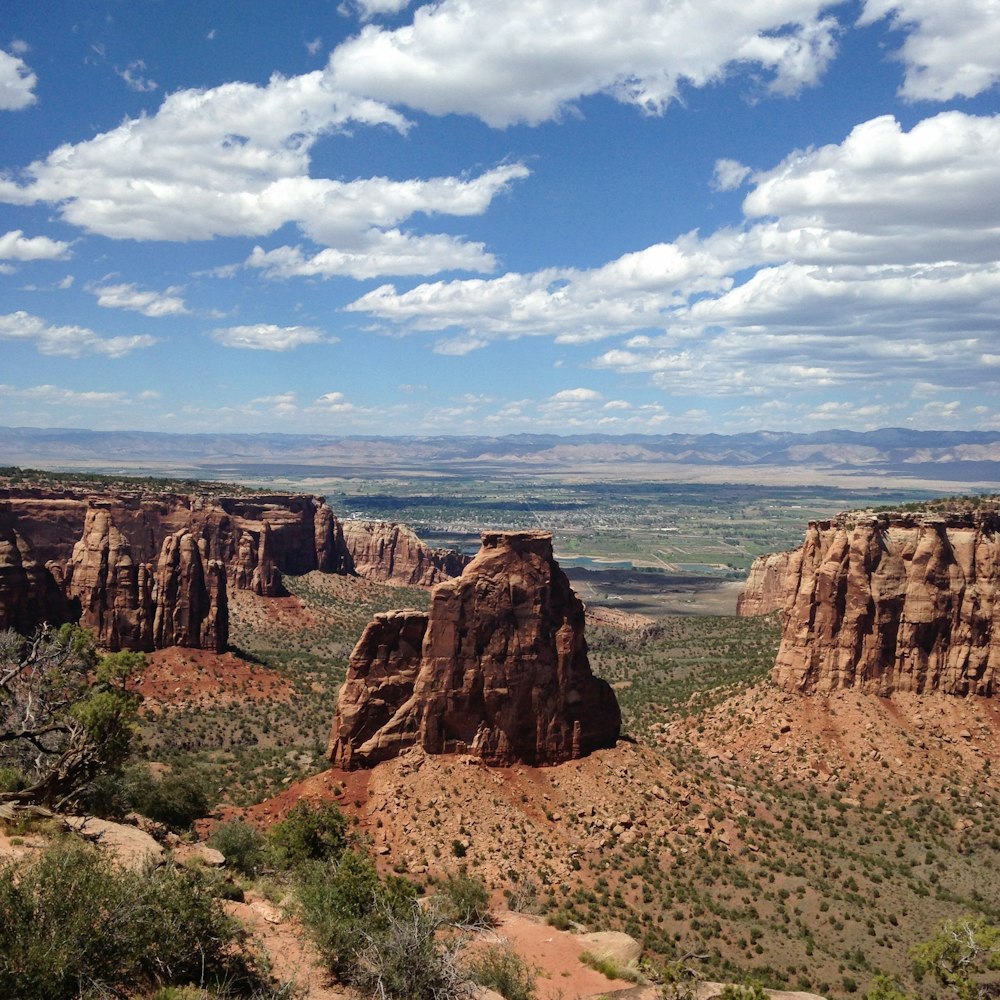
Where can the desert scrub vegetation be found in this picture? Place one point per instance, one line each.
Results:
(660, 671)
(250, 749)
(77, 926)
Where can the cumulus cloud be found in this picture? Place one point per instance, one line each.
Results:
(572, 396)
(729, 175)
(387, 253)
(17, 83)
(880, 250)
(234, 161)
(130, 296)
(952, 47)
(54, 394)
(457, 57)
(68, 340)
(14, 245)
(268, 337)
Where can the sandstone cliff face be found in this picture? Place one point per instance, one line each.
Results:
(766, 586)
(497, 668)
(29, 594)
(113, 590)
(392, 553)
(895, 603)
(99, 557)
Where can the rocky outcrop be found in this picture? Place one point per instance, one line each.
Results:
(190, 596)
(68, 555)
(29, 594)
(497, 668)
(895, 602)
(392, 553)
(766, 586)
(114, 592)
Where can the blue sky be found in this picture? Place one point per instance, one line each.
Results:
(493, 217)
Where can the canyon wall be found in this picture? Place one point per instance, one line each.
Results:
(895, 602)
(767, 584)
(392, 553)
(146, 570)
(497, 668)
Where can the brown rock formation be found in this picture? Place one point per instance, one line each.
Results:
(29, 593)
(766, 586)
(103, 553)
(114, 592)
(392, 553)
(498, 668)
(895, 602)
(190, 597)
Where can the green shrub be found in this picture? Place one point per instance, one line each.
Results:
(466, 900)
(345, 905)
(176, 800)
(310, 832)
(75, 925)
(242, 846)
(745, 991)
(500, 968)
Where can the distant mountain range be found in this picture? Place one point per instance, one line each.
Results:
(957, 456)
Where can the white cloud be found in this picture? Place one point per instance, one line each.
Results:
(54, 394)
(573, 396)
(372, 8)
(268, 337)
(17, 83)
(952, 47)
(388, 252)
(130, 296)
(14, 245)
(68, 340)
(133, 75)
(234, 161)
(883, 250)
(531, 60)
(729, 175)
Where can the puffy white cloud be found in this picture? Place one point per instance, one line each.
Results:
(235, 160)
(130, 296)
(17, 83)
(68, 340)
(372, 8)
(574, 396)
(14, 245)
(531, 60)
(729, 175)
(952, 47)
(880, 250)
(268, 337)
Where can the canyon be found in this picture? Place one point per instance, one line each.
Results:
(149, 570)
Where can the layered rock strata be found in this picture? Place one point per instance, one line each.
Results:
(497, 668)
(766, 586)
(147, 570)
(392, 553)
(895, 602)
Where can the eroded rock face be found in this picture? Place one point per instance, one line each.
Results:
(392, 553)
(895, 603)
(98, 557)
(497, 668)
(767, 584)
(113, 590)
(29, 593)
